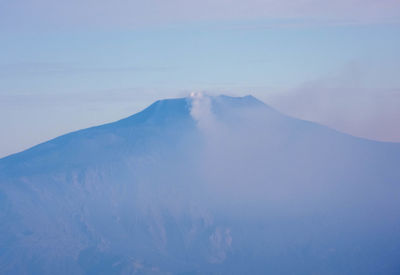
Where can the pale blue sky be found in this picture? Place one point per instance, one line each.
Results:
(83, 63)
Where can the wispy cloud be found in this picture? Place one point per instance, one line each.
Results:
(109, 14)
(34, 68)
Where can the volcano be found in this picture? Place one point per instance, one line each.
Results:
(202, 185)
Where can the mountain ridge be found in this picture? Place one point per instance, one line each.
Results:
(184, 103)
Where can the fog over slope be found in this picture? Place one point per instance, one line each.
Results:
(202, 185)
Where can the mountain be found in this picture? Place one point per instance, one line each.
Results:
(202, 185)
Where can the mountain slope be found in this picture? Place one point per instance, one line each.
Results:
(202, 185)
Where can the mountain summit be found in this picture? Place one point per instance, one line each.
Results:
(202, 185)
